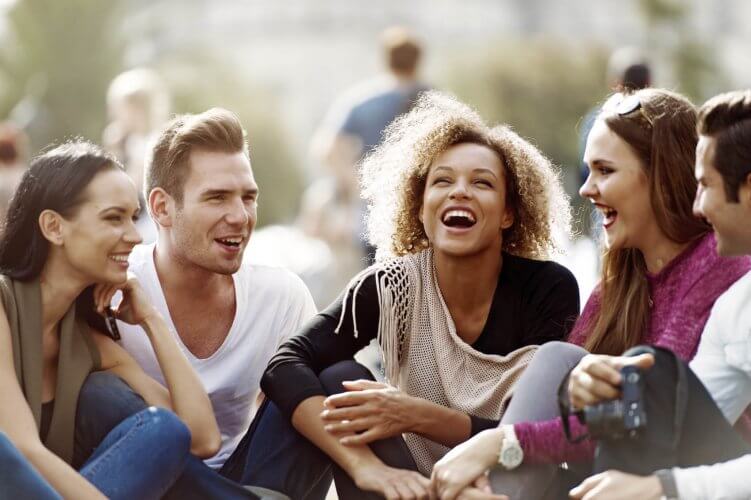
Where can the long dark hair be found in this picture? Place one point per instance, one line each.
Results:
(55, 181)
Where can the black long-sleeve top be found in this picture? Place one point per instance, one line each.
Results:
(534, 302)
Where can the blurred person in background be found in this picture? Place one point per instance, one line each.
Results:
(354, 126)
(138, 105)
(14, 157)
(463, 217)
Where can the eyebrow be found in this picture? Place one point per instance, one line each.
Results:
(481, 170)
(599, 161)
(213, 192)
(119, 209)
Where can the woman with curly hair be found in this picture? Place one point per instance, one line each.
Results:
(462, 216)
(661, 275)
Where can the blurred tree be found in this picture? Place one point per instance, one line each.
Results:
(671, 38)
(55, 65)
(200, 80)
(541, 88)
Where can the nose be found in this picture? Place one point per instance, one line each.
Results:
(132, 235)
(697, 203)
(237, 214)
(588, 189)
(459, 190)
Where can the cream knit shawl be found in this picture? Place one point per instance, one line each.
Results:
(423, 355)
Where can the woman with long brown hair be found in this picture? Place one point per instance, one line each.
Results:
(660, 277)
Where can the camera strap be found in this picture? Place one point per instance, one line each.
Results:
(564, 406)
(681, 399)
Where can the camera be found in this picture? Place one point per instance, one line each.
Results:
(620, 418)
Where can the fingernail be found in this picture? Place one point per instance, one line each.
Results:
(328, 428)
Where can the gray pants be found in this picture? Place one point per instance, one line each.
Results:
(536, 399)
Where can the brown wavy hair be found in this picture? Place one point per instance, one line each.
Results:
(662, 133)
(393, 180)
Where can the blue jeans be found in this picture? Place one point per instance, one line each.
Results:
(271, 455)
(140, 458)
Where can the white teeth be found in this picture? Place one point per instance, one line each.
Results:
(119, 258)
(459, 213)
(234, 241)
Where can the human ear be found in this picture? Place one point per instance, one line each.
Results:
(508, 219)
(51, 225)
(161, 206)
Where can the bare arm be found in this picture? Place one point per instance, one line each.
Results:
(184, 394)
(18, 423)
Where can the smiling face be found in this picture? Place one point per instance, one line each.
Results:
(726, 217)
(464, 203)
(212, 226)
(619, 189)
(101, 233)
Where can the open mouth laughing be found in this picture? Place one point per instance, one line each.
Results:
(458, 218)
(609, 215)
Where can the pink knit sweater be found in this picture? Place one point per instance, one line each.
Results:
(682, 295)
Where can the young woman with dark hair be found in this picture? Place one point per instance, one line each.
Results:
(661, 274)
(63, 254)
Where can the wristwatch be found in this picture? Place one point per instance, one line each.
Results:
(667, 481)
(511, 454)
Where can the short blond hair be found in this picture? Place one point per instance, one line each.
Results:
(216, 130)
(393, 180)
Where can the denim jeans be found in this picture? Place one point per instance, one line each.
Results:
(271, 455)
(18, 478)
(140, 458)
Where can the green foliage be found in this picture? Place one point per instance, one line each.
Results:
(59, 59)
(542, 89)
(199, 82)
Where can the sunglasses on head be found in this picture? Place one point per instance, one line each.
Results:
(631, 104)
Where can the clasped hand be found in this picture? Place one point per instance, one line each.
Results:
(369, 411)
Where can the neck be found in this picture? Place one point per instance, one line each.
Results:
(60, 286)
(185, 279)
(404, 78)
(468, 282)
(660, 252)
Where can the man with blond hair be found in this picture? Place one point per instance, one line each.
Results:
(228, 316)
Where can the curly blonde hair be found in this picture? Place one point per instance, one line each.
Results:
(393, 180)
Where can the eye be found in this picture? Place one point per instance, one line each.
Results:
(441, 180)
(605, 170)
(484, 182)
(249, 198)
(113, 218)
(216, 197)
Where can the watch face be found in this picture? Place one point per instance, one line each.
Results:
(512, 457)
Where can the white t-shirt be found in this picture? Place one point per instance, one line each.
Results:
(723, 364)
(272, 303)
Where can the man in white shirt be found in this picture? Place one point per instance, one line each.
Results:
(227, 315)
(723, 361)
